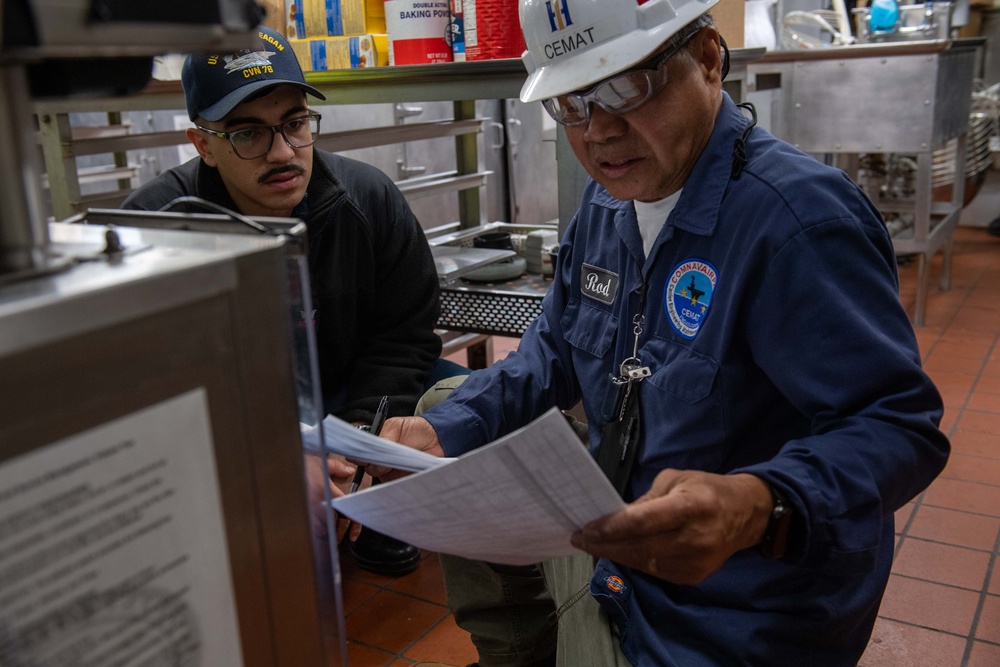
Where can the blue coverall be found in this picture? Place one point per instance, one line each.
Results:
(778, 346)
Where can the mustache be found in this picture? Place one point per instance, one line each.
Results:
(280, 170)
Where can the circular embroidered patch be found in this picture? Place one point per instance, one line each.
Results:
(688, 295)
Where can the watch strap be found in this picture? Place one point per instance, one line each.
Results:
(775, 541)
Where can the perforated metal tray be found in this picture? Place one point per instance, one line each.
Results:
(502, 309)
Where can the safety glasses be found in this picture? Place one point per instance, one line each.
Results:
(252, 142)
(618, 94)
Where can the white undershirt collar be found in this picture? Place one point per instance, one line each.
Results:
(652, 215)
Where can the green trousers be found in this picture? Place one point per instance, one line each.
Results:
(528, 616)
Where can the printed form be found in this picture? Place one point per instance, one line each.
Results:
(515, 501)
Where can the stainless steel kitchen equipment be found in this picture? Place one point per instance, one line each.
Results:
(139, 326)
(57, 48)
(917, 22)
(152, 497)
(903, 97)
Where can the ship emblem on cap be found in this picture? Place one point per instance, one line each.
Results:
(255, 59)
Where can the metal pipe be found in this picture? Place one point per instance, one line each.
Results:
(24, 238)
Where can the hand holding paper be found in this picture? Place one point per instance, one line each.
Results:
(516, 501)
(357, 445)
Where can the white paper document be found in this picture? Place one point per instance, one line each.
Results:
(357, 445)
(113, 546)
(515, 501)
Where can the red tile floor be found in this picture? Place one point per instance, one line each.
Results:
(942, 606)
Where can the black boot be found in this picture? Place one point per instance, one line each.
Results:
(994, 227)
(383, 555)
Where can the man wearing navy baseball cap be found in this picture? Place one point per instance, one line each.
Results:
(214, 85)
(373, 277)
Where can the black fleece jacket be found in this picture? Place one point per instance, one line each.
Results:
(374, 284)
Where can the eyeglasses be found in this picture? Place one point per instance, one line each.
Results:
(252, 142)
(618, 94)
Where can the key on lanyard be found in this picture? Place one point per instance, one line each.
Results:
(620, 388)
(633, 370)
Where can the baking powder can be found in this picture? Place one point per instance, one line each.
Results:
(419, 31)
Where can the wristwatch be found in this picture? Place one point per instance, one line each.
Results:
(775, 540)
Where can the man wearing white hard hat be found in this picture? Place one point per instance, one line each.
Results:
(726, 309)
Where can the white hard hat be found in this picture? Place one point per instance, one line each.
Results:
(575, 43)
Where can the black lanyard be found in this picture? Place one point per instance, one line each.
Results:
(621, 411)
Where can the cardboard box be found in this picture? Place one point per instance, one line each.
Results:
(274, 16)
(730, 20)
(320, 54)
(974, 26)
(333, 18)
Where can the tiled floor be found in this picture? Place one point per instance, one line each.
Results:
(942, 606)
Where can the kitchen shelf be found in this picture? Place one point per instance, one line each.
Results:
(460, 83)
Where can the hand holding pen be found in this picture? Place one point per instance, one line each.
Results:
(381, 412)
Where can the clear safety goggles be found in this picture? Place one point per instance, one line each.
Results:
(618, 94)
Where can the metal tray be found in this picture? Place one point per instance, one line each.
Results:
(463, 238)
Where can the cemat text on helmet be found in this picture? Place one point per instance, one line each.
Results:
(572, 42)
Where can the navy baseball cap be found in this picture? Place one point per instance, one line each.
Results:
(215, 84)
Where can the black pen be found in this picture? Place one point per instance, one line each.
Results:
(380, 414)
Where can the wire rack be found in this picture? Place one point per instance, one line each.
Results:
(984, 122)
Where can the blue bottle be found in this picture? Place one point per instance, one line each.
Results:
(884, 16)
